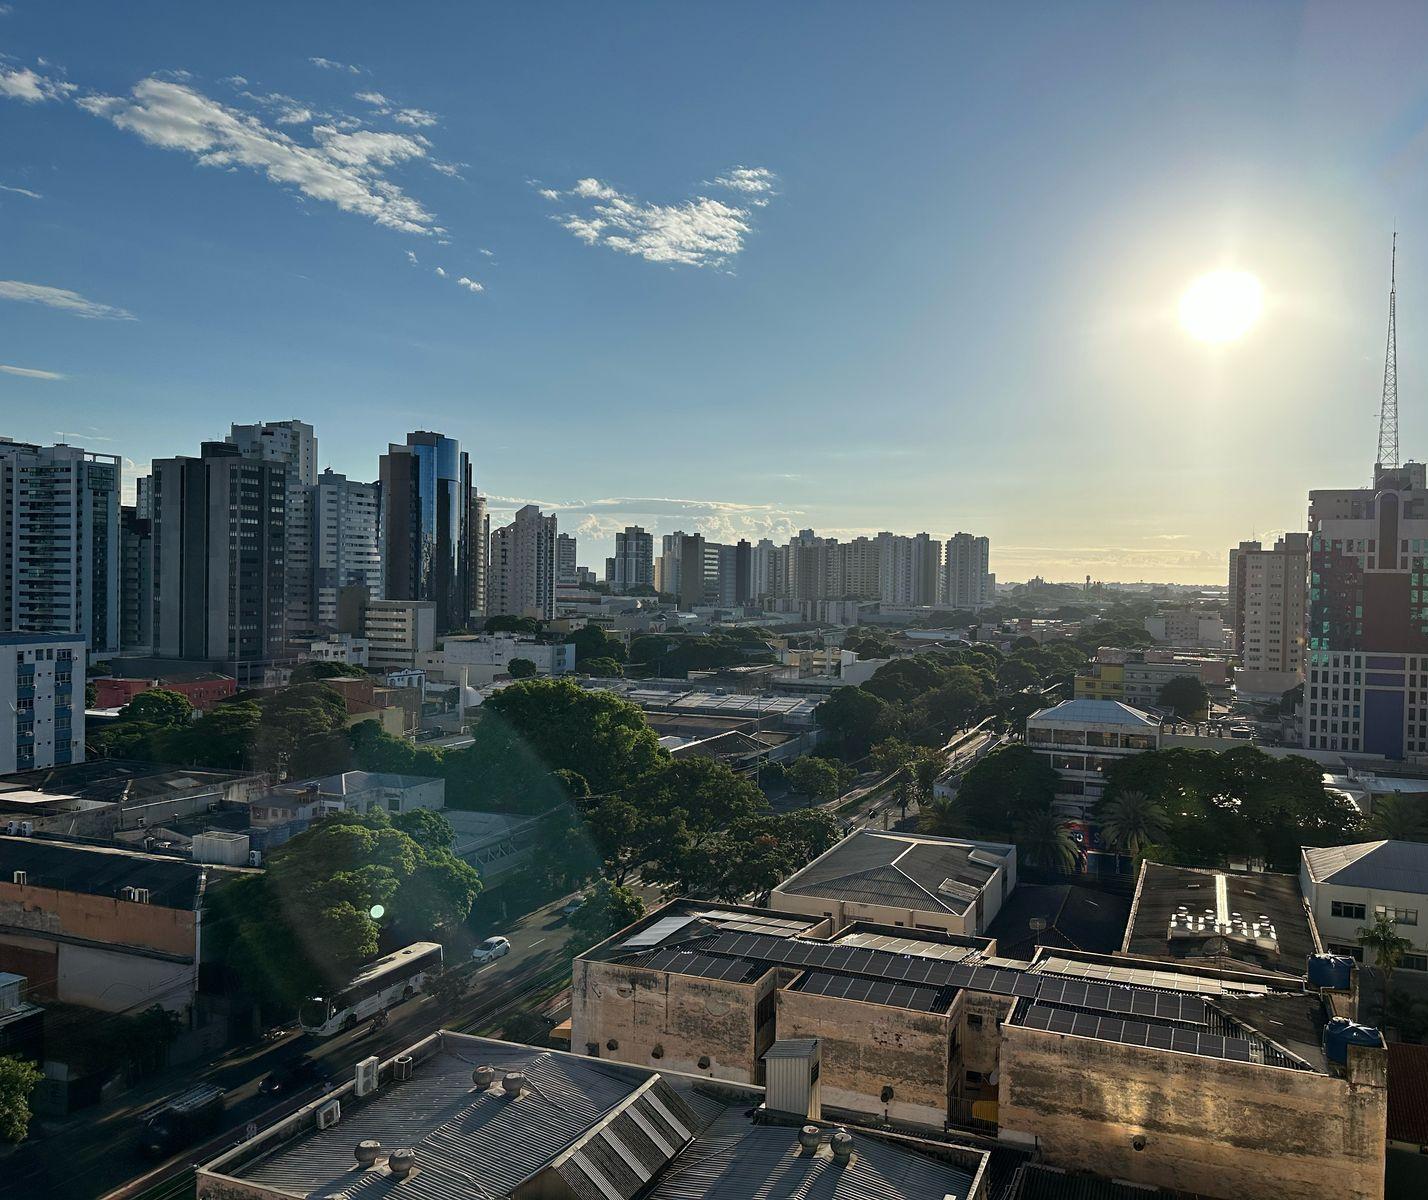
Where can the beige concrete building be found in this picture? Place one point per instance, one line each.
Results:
(1182, 1076)
(1347, 887)
(900, 879)
(1268, 598)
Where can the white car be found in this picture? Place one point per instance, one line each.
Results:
(491, 949)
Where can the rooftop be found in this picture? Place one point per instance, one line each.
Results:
(1255, 921)
(1384, 866)
(1095, 712)
(351, 783)
(101, 871)
(575, 1126)
(1076, 918)
(111, 779)
(10, 638)
(1408, 1093)
(912, 871)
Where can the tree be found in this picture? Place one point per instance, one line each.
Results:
(312, 672)
(91, 695)
(507, 623)
(1131, 821)
(1387, 944)
(1003, 790)
(603, 668)
(18, 1079)
(687, 805)
(856, 718)
(1015, 674)
(521, 668)
(607, 908)
(816, 778)
(158, 706)
(448, 985)
(1398, 818)
(591, 642)
(426, 827)
(1042, 841)
(1184, 695)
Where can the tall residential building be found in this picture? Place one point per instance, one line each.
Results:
(136, 581)
(220, 532)
(59, 532)
(479, 558)
(967, 579)
(520, 578)
(41, 700)
(294, 445)
(909, 570)
(1367, 660)
(633, 564)
(763, 568)
(426, 534)
(1268, 594)
(345, 549)
(564, 558)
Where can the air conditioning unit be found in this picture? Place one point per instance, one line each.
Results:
(27, 828)
(12, 827)
(402, 1067)
(255, 858)
(22, 878)
(136, 895)
(329, 1114)
(367, 1081)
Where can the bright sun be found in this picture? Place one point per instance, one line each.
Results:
(1221, 306)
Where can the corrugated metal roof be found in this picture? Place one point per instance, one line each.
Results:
(737, 1160)
(1384, 866)
(792, 1048)
(1408, 1093)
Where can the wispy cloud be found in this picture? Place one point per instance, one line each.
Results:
(471, 285)
(699, 232)
(30, 372)
(441, 271)
(342, 169)
(721, 520)
(285, 110)
(417, 118)
(21, 83)
(19, 191)
(330, 64)
(61, 298)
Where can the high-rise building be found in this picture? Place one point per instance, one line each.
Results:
(763, 567)
(426, 535)
(41, 700)
(220, 533)
(294, 445)
(59, 532)
(1268, 593)
(967, 579)
(521, 571)
(564, 558)
(480, 526)
(909, 570)
(633, 564)
(345, 549)
(136, 581)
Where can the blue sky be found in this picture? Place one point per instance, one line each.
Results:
(741, 267)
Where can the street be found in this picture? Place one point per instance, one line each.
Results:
(93, 1152)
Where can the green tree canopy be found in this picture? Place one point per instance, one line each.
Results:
(521, 668)
(815, 777)
(1185, 695)
(591, 642)
(507, 623)
(607, 909)
(18, 1079)
(1131, 822)
(1005, 790)
(856, 718)
(603, 668)
(158, 706)
(312, 672)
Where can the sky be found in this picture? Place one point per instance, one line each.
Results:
(740, 268)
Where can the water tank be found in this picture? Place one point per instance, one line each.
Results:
(1330, 971)
(1341, 1033)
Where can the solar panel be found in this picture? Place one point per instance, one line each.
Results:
(660, 930)
(1138, 1033)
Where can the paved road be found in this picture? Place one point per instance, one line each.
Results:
(93, 1153)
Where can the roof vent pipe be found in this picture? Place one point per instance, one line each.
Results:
(514, 1083)
(483, 1077)
(809, 1137)
(842, 1144)
(366, 1151)
(401, 1162)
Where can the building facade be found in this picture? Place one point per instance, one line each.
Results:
(1081, 739)
(633, 564)
(968, 586)
(41, 700)
(426, 535)
(59, 534)
(136, 581)
(1348, 887)
(397, 632)
(521, 571)
(909, 569)
(565, 553)
(1268, 607)
(345, 541)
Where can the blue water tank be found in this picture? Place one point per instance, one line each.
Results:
(1341, 1033)
(1330, 971)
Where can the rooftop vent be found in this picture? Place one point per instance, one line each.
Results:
(514, 1083)
(483, 1077)
(366, 1151)
(809, 1137)
(401, 1162)
(402, 1067)
(842, 1145)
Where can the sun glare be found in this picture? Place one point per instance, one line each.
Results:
(1221, 306)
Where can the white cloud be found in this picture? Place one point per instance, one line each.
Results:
(488, 253)
(19, 191)
(471, 285)
(411, 257)
(376, 99)
(237, 81)
(418, 118)
(61, 298)
(286, 110)
(21, 83)
(441, 271)
(699, 232)
(30, 372)
(344, 169)
(446, 168)
(721, 520)
(328, 64)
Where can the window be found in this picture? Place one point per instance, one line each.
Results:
(1414, 962)
(974, 1021)
(1399, 916)
(1350, 912)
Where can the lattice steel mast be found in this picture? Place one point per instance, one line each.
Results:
(1388, 411)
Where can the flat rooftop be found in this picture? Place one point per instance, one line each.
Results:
(112, 780)
(901, 870)
(100, 871)
(571, 1125)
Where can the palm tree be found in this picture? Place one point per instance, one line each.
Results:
(1042, 841)
(1398, 819)
(1131, 822)
(1388, 945)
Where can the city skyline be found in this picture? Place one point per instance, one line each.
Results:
(404, 227)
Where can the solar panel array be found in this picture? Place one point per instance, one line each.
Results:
(689, 962)
(1138, 1033)
(875, 991)
(1164, 1006)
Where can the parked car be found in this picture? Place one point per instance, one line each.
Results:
(491, 949)
(572, 906)
(296, 1074)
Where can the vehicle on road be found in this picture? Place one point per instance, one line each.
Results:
(572, 906)
(377, 986)
(491, 949)
(295, 1075)
(180, 1122)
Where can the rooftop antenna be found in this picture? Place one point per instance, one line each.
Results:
(1388, 412)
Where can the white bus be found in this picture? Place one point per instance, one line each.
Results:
(375, 988)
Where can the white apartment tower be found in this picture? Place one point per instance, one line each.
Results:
(344, 541)
(41, 700)
(633, 564)
(967, 579)
(564, 558)
(59, 532)
(520, 577)
(909, 570)
(1268, 604)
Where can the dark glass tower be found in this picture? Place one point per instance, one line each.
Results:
(426, 534)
